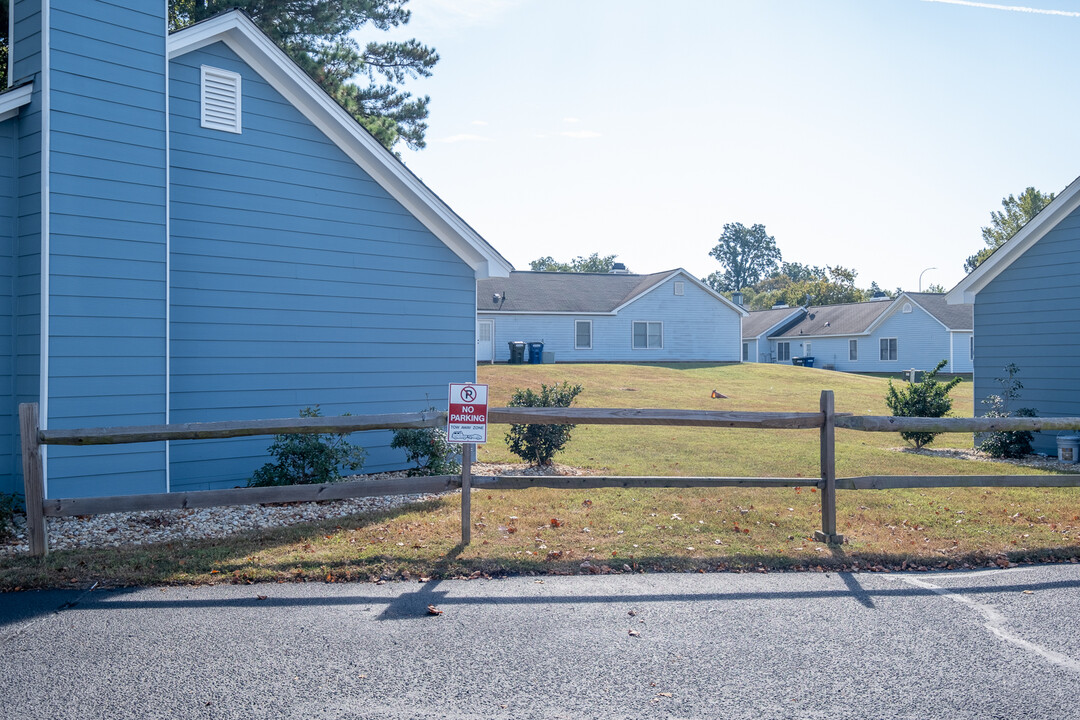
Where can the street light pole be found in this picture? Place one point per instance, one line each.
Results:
(923, 273)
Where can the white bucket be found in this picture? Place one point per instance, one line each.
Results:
(1068, 448)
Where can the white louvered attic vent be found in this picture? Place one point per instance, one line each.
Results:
(220, 95)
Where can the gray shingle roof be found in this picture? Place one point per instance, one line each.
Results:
(562, 292)
(847, 319)
(954, 317)
(856, 318)
(763, 320)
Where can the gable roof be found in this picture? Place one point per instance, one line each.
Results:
(244, 38)
(845, 319)
(763, 321)
(862, 318)
(953, 317)
(1005, 255)
(574, 293)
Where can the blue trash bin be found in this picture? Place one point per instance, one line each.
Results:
(808, 361)
(536, 353)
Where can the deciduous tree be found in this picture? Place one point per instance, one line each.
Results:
(592, 264)
(747, 254)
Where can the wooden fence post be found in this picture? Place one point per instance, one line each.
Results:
(467, 450)
(828, 534)
(33, 479)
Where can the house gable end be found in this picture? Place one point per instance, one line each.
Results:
(274, 66)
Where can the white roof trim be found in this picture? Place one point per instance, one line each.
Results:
(679, 271)
(1047, 219)
(12, 101)
(768, 331)
(541, 312)
(892, 311)
(241, 35)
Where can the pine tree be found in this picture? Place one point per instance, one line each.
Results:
(316, 35)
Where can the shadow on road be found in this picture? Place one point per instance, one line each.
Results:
(414, 603)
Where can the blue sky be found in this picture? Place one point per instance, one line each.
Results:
(874, 134)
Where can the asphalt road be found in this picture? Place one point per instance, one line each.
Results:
(986, 644)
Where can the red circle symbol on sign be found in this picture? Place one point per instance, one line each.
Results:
(468, 394)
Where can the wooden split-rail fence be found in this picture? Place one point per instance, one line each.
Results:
(826, 421)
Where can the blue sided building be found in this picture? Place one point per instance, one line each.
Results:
(194, 231)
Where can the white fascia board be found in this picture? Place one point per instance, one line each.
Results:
(539, 312)
(679, 271)
(1066, 202)
(273, 65)
(892, 311)
(768, 331)
(13, 100)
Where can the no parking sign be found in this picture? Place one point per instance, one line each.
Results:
(466, 419)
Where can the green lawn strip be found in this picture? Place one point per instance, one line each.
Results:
(642, 529)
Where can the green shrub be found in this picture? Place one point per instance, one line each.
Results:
(7, 516)
(1002, 443)
(430, 444)
(537, 444)
(928, 398)
(308, 458)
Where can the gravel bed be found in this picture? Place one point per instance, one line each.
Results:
(142, 528)
(1043, 462)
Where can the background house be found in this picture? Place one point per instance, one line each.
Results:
(197, 232)
(587, 317)
(759, 325)
(915, 330)
(1026, 297)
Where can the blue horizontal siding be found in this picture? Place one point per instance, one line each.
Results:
(8, 251)
(296, 280)
(107, 240)
(1027, 315)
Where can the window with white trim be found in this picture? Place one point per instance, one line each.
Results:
(783, 351)
(852, 349)
(680, 287)
(746, 352)
(219, 93)
(888, 348)
(583, 334)
(648, 335)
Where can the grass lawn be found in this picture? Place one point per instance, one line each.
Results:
(641, 529)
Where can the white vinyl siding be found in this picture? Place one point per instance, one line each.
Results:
(220, 99)
(583, 334)
(888, 349)
(648, 335)
(853, 350)
(783, 351)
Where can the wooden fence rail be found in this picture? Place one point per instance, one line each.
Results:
(826, 421)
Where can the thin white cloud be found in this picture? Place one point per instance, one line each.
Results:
(464, 137)
(459, 13)
(1009, 8)
(580, 134)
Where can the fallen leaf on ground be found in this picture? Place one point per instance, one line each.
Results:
(1029, 592)
(432, 610)
(634, 633)
(260, 597)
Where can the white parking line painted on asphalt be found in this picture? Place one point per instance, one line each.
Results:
(996, 623)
